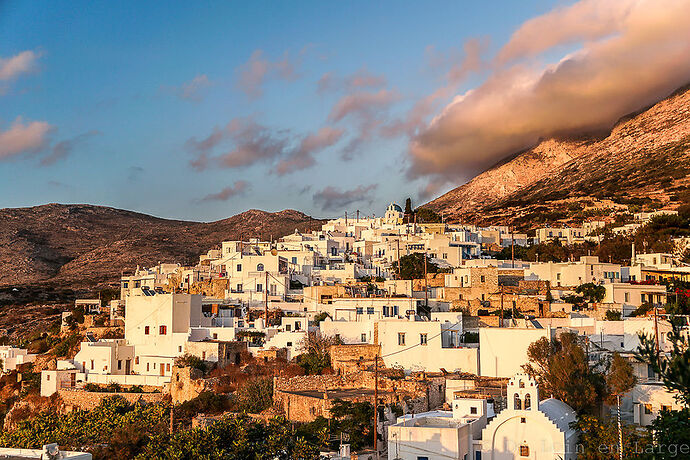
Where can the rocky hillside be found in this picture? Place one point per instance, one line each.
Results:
(645, 157)
(81, 245)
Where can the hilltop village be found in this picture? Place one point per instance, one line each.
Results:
(430, 326)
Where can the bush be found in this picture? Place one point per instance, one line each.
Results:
(255, 395)
(613, 315)
(192, 361)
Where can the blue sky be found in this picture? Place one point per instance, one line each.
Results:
(126, 90)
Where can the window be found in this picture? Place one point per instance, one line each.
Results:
(239, 267)
(289, 344)
(146, 330)
(647, 409)
(445, 255)
(162, 330)
(260, 267)
(360, 310)
(119, 364)
(370, 310)
(528, 401)
(363, 338)
(179, 349)
(215, 336)
(259, 287)
(167, 367)
(523, 420)
(203, 355)
(294, 260)
(627, 297)
(473, 410)
(92, 364)
(239, 288)
(518, 403)
(422, 339)
(288, 328)
(482, 278)
(422, 458)
(136, 360)
(147, 366)
(47, 377)
(401, 338)
(524, 451)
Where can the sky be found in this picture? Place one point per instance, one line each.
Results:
(201, 110)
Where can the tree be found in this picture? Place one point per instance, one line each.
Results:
(255, 395)
(425, 215)
(316, 357)
(612, 315)
(412, 266)
(562, 370)
(598, 439)
(408, 207)
(353, 418)
(673, 369)
(591, 292)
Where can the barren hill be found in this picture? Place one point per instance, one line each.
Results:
(645, 156)
(81, 245)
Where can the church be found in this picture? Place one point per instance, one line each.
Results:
(529, 429)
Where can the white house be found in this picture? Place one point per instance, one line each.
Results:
(503, 351)
(440, 435)
(11, 357)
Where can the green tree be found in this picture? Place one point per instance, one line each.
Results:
(255, 395)
(355, 419)
(673, 368)
(426, 215)
(316, 357)
(598, 439)
(612, 315)
(408, 207)
(563, 371)
(412, 266)
(591, 292)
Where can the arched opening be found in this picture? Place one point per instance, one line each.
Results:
(260, 267)
(528, 401)
(517, 403)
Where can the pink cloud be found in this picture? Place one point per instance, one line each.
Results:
(240, 187)
(24, 138)
(635, 57)
(258, 69)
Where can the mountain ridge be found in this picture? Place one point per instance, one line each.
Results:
(82, 244)
(646, 155)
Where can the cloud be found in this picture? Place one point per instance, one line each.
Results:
(194, 89)
(254, 143)
(62, 149)
(257, 70)
(635, 56)
(240, 187)
(333, 199)
(24, 138)
(458, 65)
(12, 67)
(367, 112)
(361, 79)
(362, 104)
(302, 157)
(584, 20)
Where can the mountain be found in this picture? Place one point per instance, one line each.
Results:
(644, 159)
(82, 245)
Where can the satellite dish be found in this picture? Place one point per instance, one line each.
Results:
(274, 252)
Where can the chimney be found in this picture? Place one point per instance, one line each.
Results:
(632, 255)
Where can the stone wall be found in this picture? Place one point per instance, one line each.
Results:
(187, 383)
(214, 288)
(348, 358)
(86, 400)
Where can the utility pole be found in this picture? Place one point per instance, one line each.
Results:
(398, 241)
(426, 286)
(656, 336)
(376, 404)
(266, 301)
(501, 325)
(512, 248)
(620, 429)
